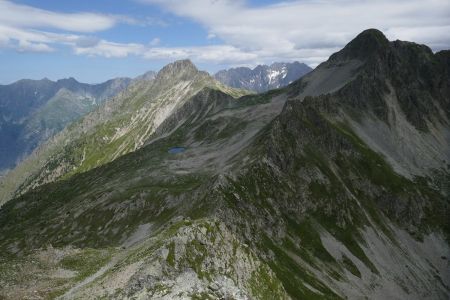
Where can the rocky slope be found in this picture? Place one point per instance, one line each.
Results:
(121, 125)
(32, 111)
(291, 194)
(263, 78)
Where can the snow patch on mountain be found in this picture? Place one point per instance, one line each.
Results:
(263, 78)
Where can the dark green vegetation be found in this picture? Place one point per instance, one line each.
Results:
(278, 195)
(85, 263)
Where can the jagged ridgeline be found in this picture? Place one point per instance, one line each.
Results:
(334, 187)
(263, 78)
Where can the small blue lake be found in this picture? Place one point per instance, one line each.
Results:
(175, 150)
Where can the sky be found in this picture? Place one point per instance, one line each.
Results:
(96, 40)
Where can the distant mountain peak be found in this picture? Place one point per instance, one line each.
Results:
(368, 42)
(178, 65)
(263, 77)
(68, 82)
(183, 63)
(150, 75)
(182, 69)
(283, 64)
(370, 34)
(70, 79)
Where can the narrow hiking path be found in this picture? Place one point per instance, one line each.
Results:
(134, 241)
(72, 291)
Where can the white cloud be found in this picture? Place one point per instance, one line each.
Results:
(26, 29)
(25, 46)
(310, 30)
(39, 41)
(24, 16)
(155, 42)
(304, 30)
(110, 49)
(148, 21)
(29, 40)
(220, 54)
(86, 41)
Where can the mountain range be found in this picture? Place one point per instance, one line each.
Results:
(32, 111)
(263, 78)
(335, 186)
(121, 125)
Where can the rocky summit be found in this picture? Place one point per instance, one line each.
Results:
(335, 186)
